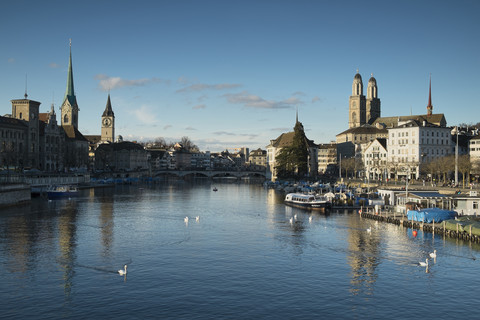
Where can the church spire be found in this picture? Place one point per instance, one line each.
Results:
(69, 106)
(429, 106)
(70, 92)
(108, 108)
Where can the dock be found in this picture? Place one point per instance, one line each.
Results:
(435, 228)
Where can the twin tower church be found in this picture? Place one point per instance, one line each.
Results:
(363, 110)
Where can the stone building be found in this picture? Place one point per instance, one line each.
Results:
(30, 139)
(258, 159)
(285, 140)
(375, 159)
(327, 158)
(118, 156)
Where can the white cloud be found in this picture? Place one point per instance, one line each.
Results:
(200, 106)
(190, 128)
(107, 83)
(254, 101)
(11, 60)
(203, 86)
(166, 127)
(145, 115)
(298, 93)
(53, 65)
(316, 98)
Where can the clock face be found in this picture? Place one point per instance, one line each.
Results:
(107, 122)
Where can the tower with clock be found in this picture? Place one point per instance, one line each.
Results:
(108, 123)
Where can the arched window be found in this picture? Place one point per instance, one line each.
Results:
(65, 119)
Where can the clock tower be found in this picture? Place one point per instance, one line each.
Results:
(108, 123)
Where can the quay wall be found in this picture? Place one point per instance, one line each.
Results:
(438, 228)
(14, 194)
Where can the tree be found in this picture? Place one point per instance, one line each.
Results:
(464, 166)
(292, 161)
(188, 144)
(300, 150)
(285, 163)
(348, 164)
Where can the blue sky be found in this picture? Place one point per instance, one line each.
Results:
(232, 73)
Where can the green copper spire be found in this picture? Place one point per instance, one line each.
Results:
(70, 92)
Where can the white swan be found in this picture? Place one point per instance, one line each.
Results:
(197, 218)
(433, 254)
(310, 219)
(369, 229)
(185, 219)
(295, 216)
(124, 271)
(423, 264)
(291, 220)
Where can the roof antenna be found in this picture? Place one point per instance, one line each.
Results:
(26, 95)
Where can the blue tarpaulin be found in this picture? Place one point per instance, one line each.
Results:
(429, 214)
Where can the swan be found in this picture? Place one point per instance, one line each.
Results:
(369, 229)
(295, 216)
(433, 254)
(291, 220)
(124, 271)
(423, 264)
(310, 219)
(197, 218)
(185, 219)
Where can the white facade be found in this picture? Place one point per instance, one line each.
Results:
(413, 143)
(474, 150)
(375, 159)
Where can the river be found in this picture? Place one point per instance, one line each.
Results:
(242, 259)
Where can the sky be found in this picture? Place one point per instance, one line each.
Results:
(231, 74)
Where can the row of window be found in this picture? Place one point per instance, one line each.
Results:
(12, 134)
(407, 141)
(405, 134)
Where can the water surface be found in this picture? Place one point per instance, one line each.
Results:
(243, 259)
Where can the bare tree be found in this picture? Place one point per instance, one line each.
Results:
(464, 166)
(188, 144)
(348, 164)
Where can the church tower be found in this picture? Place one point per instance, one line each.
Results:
(357, 104)
(108, 123)
(429, 106)
(28, 110)
(373, 103)
(69, 106)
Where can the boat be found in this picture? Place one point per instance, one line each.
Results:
(63, 191)
(307, 201)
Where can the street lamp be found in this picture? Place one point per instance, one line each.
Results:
(456, 159)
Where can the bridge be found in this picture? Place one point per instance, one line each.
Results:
(210, 173)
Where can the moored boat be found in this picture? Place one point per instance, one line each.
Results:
(63, 191)
(307, 201)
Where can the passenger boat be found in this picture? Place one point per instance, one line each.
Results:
(64, 191)
(307, 201)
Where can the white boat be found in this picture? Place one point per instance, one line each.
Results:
(63, 191)
(307, 201)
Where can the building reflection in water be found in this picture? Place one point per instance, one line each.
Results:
(106, 221)
(106, 197)
(28, 237)
(67, 227)
(363, 257)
